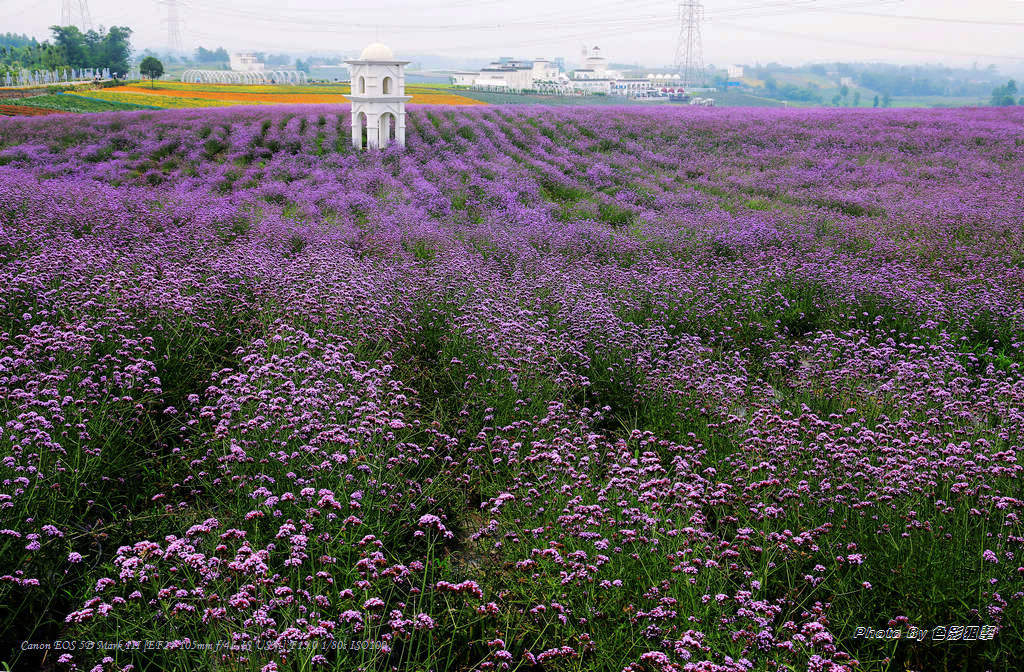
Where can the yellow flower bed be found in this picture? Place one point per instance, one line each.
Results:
(163, 101)
(283, 89)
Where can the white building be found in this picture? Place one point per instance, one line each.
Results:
(464, 77)
(545, 70)
(592, 85)
(544, 76)
(595, 66)
(596, 63)
(506, 74)
(735, 72)
(595, 77)
(246, 62)
(631, 88)
(378, 97)
(514, 76)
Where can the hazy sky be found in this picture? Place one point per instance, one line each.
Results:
(644, 31)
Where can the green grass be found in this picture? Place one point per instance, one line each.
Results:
(736, 99)
(69, 102)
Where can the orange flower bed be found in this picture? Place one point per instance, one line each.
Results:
(26, 111)
(236, 96)
(309, 98)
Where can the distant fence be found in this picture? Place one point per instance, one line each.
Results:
(55, 76)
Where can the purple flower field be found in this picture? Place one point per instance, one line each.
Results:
(551, 389)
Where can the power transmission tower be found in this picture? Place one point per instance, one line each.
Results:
(83, 10)
(689, 48)
(67, 14)
(173, 25)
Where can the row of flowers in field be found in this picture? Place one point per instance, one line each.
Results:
(22, 110)
(197, 96)
(285, 89)
(562, 388)
(126, 95)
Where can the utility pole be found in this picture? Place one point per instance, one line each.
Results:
(689, 48)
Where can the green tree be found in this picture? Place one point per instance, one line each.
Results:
(93, 42)
(218, 55)
(835, 100)
(117, 49)
(93, 49)
(50, 57)
(876, 101)
(151, 68)
(71, 42)
(856, 99)
(844, 91)
(1003, 96)
(886, 100)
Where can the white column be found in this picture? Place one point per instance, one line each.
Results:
(400, 129)
(373, 130)
(357, 131)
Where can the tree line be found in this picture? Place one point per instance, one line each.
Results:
(68, 47)
(1003, 96)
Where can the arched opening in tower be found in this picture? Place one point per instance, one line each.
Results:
(361, 133)
(387, 129)
(387, 86)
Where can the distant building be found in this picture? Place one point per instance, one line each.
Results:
(631, 88)
(512, 75)
(545, 70)
(595, 77)
(246, 62)
(463, 77)
(595, 66)
(846, 81)
(659, 79)
(596, 63)
(735, 72)
(592, 85)
(544, 75)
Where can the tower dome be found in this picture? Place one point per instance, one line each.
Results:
(377, 52)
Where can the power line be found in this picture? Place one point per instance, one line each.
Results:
(601, 18)
(324, 22)
(857, 43)
(779, 8)
(932, 19)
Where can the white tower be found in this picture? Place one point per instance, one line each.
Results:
(378, 97)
